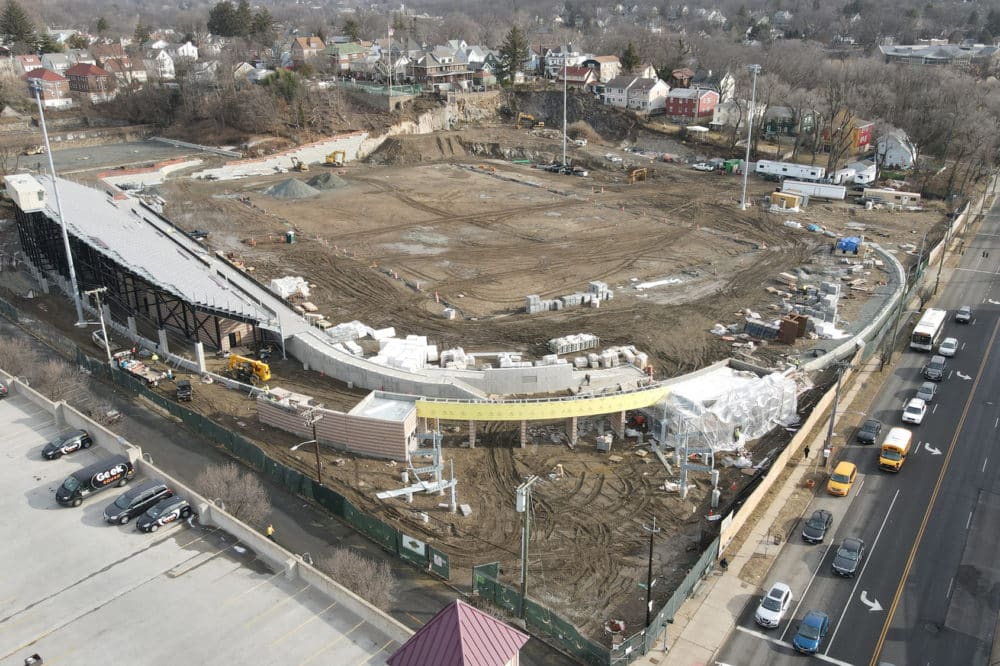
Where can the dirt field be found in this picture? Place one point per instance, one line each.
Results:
(480, 240)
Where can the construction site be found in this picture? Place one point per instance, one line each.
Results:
(461, 238)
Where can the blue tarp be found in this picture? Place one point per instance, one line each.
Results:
(849, 244)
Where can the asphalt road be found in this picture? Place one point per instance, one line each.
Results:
(928, 591)
(299, 526)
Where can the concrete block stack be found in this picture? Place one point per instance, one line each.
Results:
(597, 292)
(573, 343)
(507, 360)
(410, 354)
(454, 358)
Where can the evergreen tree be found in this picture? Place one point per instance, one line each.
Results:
(78, 41)
(352, 29)
(15, 26)
(630, 59)
(141, 34)
(102, 25)
(262, 25)
(221, 19)
(242, 19)
(47, 44)
(513, 53)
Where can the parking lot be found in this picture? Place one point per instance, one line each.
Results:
(76, 590)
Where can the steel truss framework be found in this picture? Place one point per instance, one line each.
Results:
(128, 295)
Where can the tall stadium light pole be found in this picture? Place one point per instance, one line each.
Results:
(37, 87)
(565, 73)
(746, 163)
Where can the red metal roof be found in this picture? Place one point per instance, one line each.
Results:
(44, 75)
(460, 635)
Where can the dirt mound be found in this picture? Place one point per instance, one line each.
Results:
(326, 181)
(293, 188)
(417, 148)
(547, 106)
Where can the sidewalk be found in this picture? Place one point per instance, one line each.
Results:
(705, 620)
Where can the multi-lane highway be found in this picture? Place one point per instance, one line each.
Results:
(928, 591)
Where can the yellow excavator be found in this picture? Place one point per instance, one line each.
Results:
(336, 158)
(529, 121)
(299, 165)
(248, 370)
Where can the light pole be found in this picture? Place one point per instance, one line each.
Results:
(653, 531)
(36, 85)
(96, 293)
(833, 413)
(755, 69)
(565, 72)
(522, 504)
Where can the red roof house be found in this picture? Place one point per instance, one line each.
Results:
(460, 635)
(90, 82)
(53, 88)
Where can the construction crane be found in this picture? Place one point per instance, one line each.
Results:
(299, 165)
(526, 117)
(248, 370)
(336, 158)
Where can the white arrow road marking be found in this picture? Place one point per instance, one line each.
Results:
(961, 376)
(992, 302)
(931, 449)
(873, 604)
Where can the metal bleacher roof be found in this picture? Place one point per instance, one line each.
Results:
(146, 244)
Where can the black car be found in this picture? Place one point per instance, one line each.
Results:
(869, 431)
(849, 557)
(68, 443)
(934, 368)
(198, 234)
(137, 501)
(164, 512)
(963, 315)
(817, 526)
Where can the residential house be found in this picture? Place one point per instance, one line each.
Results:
(205, 71)
(27, 63)
(53, 88)
(577, 77)
(646, 71)
(648, 95)
(91, 83)
(305, 49)
(734, 112)
(242, 70)
(160, 68)
(606, 67)
(60, 35)
(461, 634)
(681, 77)
(57, 62)
(616, 90)
(895, 150)
(566, 55)
(782, 120)
(129, 73)
(76, 56)
(102, 51)
(959, 55)
(723, 83)
(441, 69)
(187, 50)
(691, 104)
(343, 56)
(848, 131)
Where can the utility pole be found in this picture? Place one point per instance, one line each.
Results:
(36, 85)
(653, 531)
(944, 246)
(833, 415)
(755, 69)
(565, 71)
(312, 416)
(523, 505)
(96, 293)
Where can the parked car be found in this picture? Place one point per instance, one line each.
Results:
(963, 315)
(869, 431)
(773, 606)
(934, 368)
(580, 171)
(849, 557)
(68, 443)
(112, 471)
(927, 391)
(812, 631)
(198, 234)
(137, 501)
(164, 512)
(815, 529)
(948, 347)
(914, 411)
(842, 478)
(702, 166)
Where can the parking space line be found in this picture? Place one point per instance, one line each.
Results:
(969, 521)
(251, 589)
(288, 597)
(288, 633)
(786, 644)
(985, 460)
(380, 651)
(330, 644)
(806, 591)
(857, 580)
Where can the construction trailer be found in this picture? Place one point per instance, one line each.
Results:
(790, 170)
(786, 200)
(892, 197)
(815, 190)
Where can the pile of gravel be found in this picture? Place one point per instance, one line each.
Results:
(292, 188)
(326, 181)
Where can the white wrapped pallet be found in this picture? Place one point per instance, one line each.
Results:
(641, 360)
(580, 362)
(432, 353)
(388, 332)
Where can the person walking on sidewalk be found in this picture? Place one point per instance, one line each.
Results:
(270, 531)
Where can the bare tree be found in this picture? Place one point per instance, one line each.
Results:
(16, 356)
(370, 580)
(57, 379)
(242, 493)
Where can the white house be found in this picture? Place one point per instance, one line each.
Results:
(565, 55)
(647, 95)
(57, 62)
(894, 149)
(186, 50)
(606, 67)
(161, 67)
(616, 90)
(733, 112)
